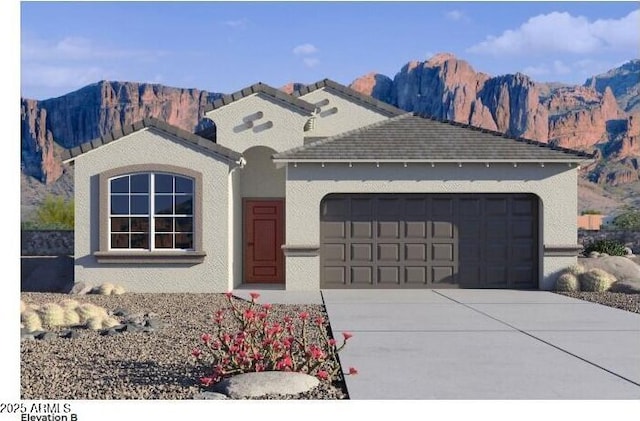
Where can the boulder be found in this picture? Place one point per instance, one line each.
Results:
(81, 288)
(266, 383)
(626, 286)
(620, 267)
(210, 396)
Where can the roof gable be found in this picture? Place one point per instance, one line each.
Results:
(264, 89)
(410, 137)
(70, 154)
(355, 96)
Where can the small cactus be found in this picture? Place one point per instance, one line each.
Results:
(69, 304)
(596, 280)
(105, 289)
(110, 322)
(567, 282)
(52, 315)
(94, 323)
(31, 321)
(575, 270)
(71, 317)
(87, 311)
(118, 290)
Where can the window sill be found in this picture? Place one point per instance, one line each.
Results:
(141, 257)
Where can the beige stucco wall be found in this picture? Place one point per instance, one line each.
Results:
(307, 184)
(260, 177)
(286, 133)
(145, 147)
(350, 115)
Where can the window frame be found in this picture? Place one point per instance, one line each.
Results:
(106, 254)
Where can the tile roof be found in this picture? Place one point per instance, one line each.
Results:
(150, 122)
(266, 90)
(411, 137)
(386, 109)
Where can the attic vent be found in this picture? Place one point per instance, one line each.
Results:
(310, 124)
(253, 117)
(322, 103)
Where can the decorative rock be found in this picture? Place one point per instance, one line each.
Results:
(620, 267)
(594, 254)
(120, 312)
(628, 251)
(70, 334)
(626, 286)
(604, 254)
(81, 288)
(153, 324)
(26, 335)
(210, 396)
(266, 383)
(45, 336)
(108, 332)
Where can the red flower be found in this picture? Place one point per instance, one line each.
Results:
(196, 352)
(262, 316)
(249, 315)
(332, 342)
(206, 381)
(229, 295)
(286, 319)
(319, 321)
(315, 353)
(216, 345)
(322, 375)
(352, 371)
(254, 296)
(284, 363)
(267, 307)
(303, 315)
(346, 335)
(206, 338)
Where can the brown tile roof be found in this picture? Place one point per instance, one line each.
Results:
(266, 90)
(380, 106)
(410, 137)
(151, 122)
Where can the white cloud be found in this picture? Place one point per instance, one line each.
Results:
(562, 32)
(311, 61)
(456, 15)
(305, 49)
(236, 24)
(538, 70)
(560, 68)
(62, 76)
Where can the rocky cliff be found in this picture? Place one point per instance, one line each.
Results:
(588, 117)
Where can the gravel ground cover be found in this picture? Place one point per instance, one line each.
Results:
(628, 302)
(138, 365)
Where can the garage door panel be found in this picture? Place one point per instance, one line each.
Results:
(430, 240)
(415, 275)
(415, 252)
(361, 252)
(388, 252)
(362, 275)
(388, 275)
(389, 229)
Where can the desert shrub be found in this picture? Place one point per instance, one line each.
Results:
(575, 270)
(31, 321)
(568, 282)
(118, 290)
(94, 323)
(266, 342)
(70, 317)
(23, 306)
(52, 315)
(596, 280)
(88, 311)
(104, 289)
(610, 247)
(53, 213)
(69, 304)
(110, 322)
(629, 219)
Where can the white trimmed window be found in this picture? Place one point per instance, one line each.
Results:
(151, 211)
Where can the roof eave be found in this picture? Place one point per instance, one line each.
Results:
(429, 161)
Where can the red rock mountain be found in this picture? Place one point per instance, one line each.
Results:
(584, 117)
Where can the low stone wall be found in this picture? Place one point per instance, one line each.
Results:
(629, 238)
(46, 243)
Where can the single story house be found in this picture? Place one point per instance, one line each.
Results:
(324, 188)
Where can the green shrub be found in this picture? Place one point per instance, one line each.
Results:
(53, 213)
(628, 220)
(611, 247)
(591, 212)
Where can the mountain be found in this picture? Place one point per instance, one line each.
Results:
(599, 116)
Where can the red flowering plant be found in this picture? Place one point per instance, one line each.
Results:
(263, 342)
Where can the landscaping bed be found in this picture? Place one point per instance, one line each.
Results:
(152, 364)
(628, 302)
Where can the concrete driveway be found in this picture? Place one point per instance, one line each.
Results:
(484, 344)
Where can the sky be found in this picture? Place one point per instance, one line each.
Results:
(226, 46)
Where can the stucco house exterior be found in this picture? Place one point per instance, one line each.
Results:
(324, 188)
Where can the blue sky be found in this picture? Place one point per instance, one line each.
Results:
(223, 47)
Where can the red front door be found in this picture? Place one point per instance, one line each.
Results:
(263, 238)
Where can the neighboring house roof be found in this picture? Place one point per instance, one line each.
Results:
(386, 109)
(411, 137)
(266, 90)
(154, 123)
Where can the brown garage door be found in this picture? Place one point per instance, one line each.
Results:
(429, 241)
